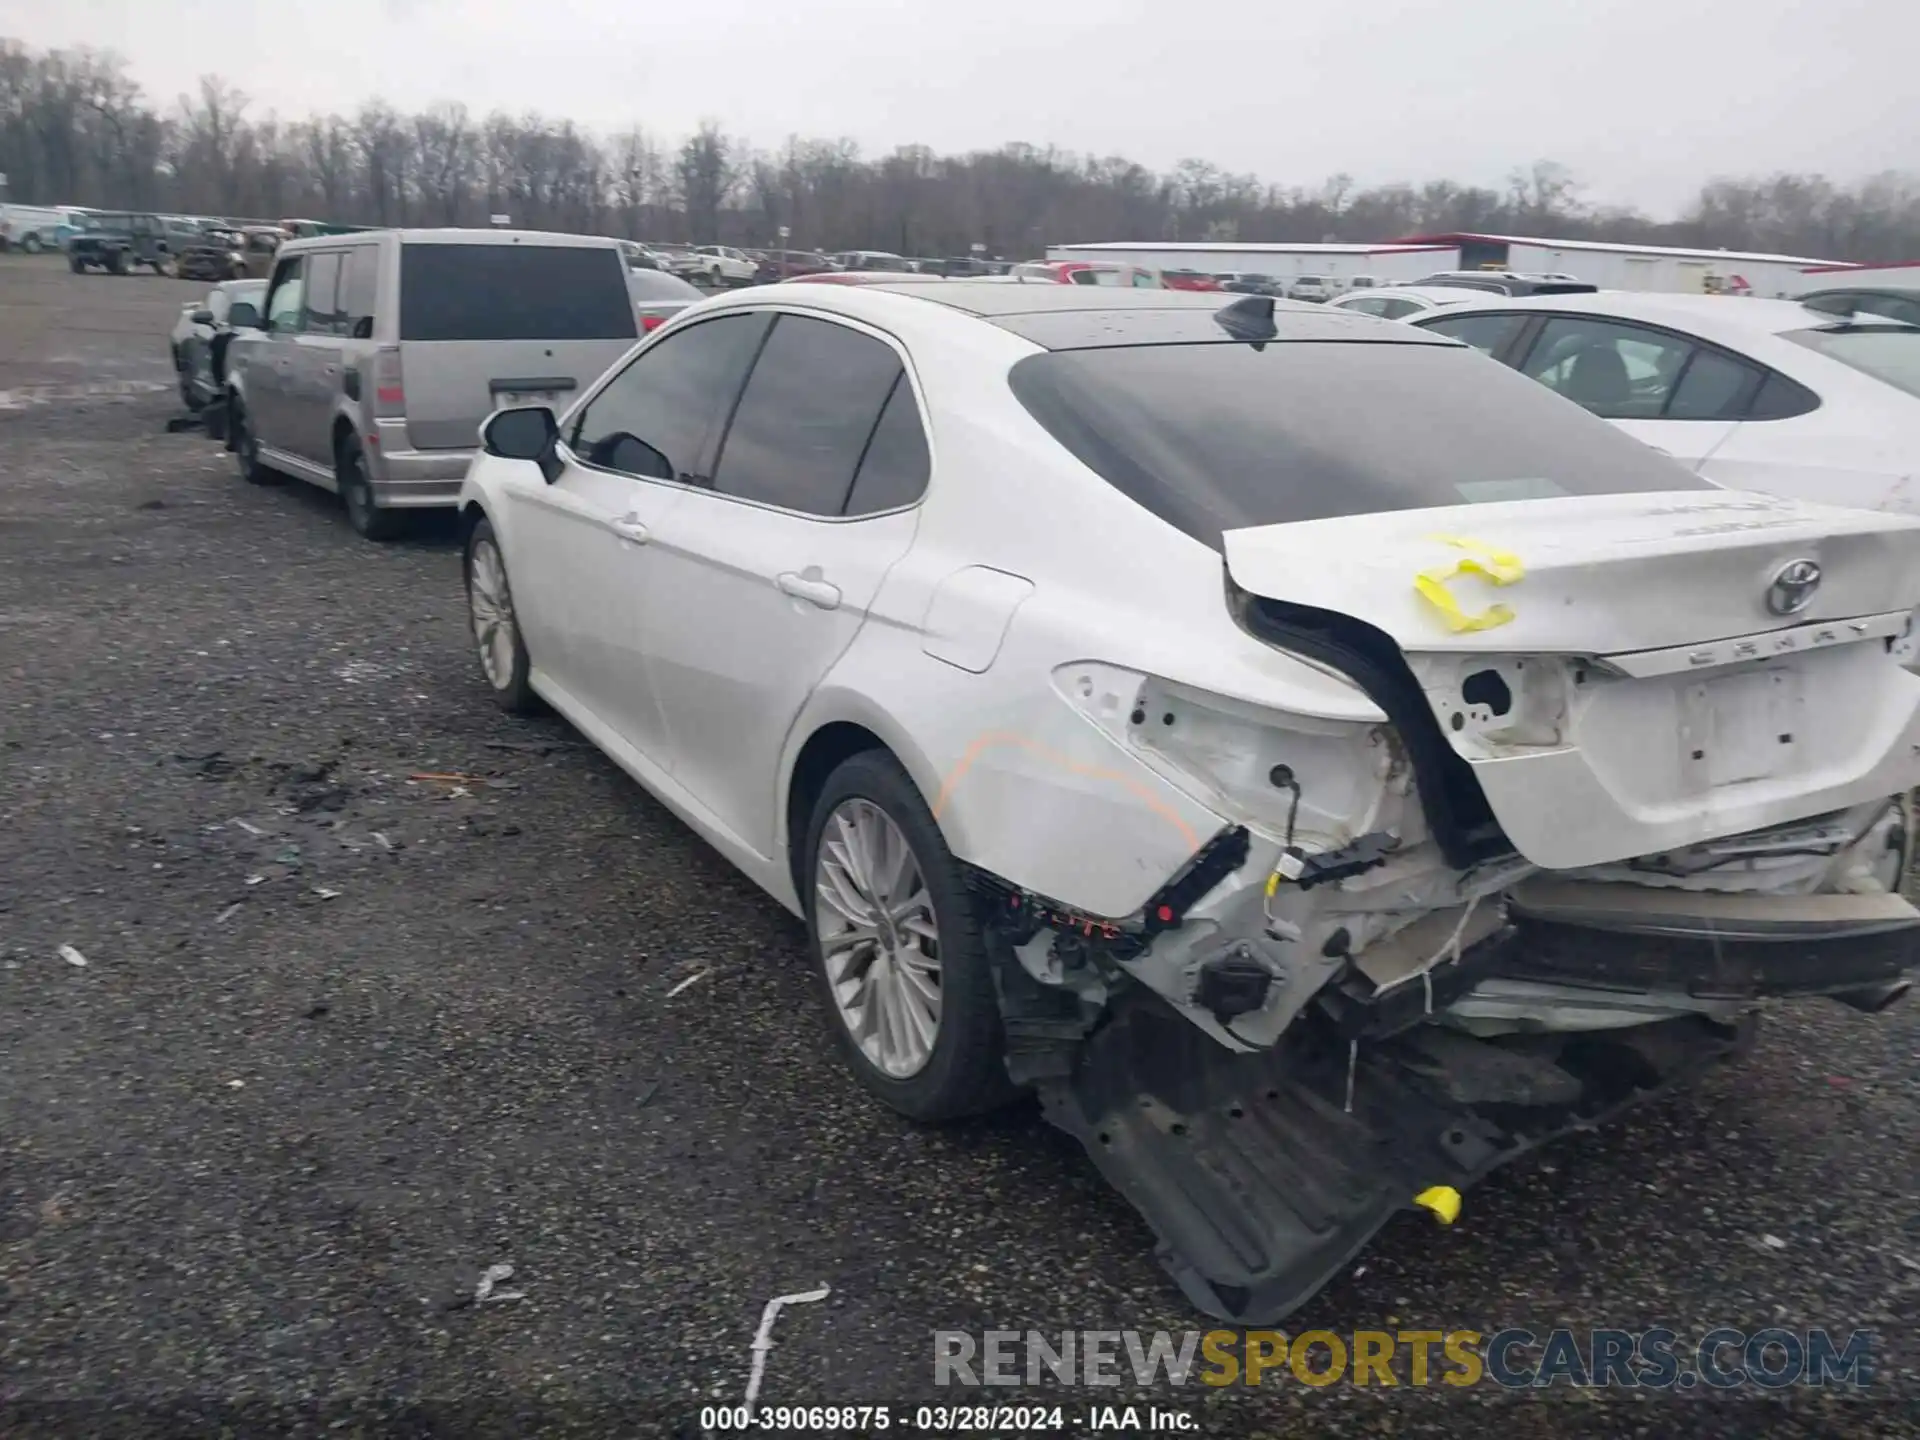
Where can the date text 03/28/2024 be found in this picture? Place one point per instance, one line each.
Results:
(943, 1419)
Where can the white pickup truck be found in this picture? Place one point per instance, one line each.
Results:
(721, 265)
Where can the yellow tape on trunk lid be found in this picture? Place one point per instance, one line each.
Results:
(1494, 565)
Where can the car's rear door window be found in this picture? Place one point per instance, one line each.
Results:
(1220, 436)
(513, 292)
(895, 469)
(287, 304)
(804, 421)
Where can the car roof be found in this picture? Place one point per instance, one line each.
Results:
(1085, 317)
(1432, 294)
(1704, 315)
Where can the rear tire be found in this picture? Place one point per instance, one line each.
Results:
(117, 262)
(31, 244)
(76, 264)
(964, 1072)
(187, 398)
(369, 521)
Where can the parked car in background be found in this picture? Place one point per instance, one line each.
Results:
(203, 333)
(1397, 302)
(1757, 394)
(682, 260)
(785, 264)
(1087, 272)
(1188, 280)
(30, 228)
(1887, 301)
(231, 254)
(1261, 872)
(1245, 282)
(658, 296)
(641, 257)
(117, 241)
(722, 266)
(381, 353)
(1315, 288)
(873, 260)
(1362, 282)
(1506, 283)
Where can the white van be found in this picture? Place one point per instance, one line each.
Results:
(30, 227)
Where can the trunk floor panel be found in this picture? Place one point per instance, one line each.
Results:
(1261, 1186)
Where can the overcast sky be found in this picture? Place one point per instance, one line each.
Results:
(1642, 99)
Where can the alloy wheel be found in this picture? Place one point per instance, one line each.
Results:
(879, 938)
(491, 604)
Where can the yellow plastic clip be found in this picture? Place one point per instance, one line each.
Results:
(1495, 566)
(1442, 1200)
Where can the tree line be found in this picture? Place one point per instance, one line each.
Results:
(75, 129)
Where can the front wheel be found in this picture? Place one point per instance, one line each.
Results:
(76, 264)
(897, 946)
(496, 628)
(118, 262)
(246, 447)
(31, 244)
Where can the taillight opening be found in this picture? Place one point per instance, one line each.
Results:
(650, 323)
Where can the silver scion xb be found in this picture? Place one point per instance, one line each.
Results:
(380, 353)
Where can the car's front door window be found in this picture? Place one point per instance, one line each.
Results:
(287, 304)
(658, 418)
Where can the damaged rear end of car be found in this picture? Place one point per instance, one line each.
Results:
(1633, 767)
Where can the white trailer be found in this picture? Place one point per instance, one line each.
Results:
(1340, 264)
(1664, 269)
(1901, 275)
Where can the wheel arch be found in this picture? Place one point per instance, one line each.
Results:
(834, 727)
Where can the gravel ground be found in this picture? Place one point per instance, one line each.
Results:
(345, 1037)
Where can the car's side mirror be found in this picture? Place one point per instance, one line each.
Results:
(526, 432)
(363, 328)
(201, 316)
(243, 316)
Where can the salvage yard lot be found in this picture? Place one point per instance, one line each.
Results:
(376, 994)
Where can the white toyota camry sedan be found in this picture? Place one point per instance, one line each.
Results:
(1320, 763)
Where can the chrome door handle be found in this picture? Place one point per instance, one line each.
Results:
(815, 592)
(630, 529)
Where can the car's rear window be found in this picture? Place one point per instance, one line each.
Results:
(514, 292)
(1221, 436)
(1890, 353)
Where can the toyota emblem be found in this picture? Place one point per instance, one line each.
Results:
(1791, 590)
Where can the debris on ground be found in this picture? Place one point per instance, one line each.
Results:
(290, 855)
(446, 778)
(535, 747)
(236, 1084)
(251, 829)
(384, 842)
(692, 979)
(226, 914)
(484, 1293)
(72, 956)
(325, 894)
(763, 1337)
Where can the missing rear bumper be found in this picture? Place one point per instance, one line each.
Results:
(1262, 1176)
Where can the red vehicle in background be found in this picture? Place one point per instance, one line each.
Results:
(1087, 272)
(1189, 280)
(788, 264)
